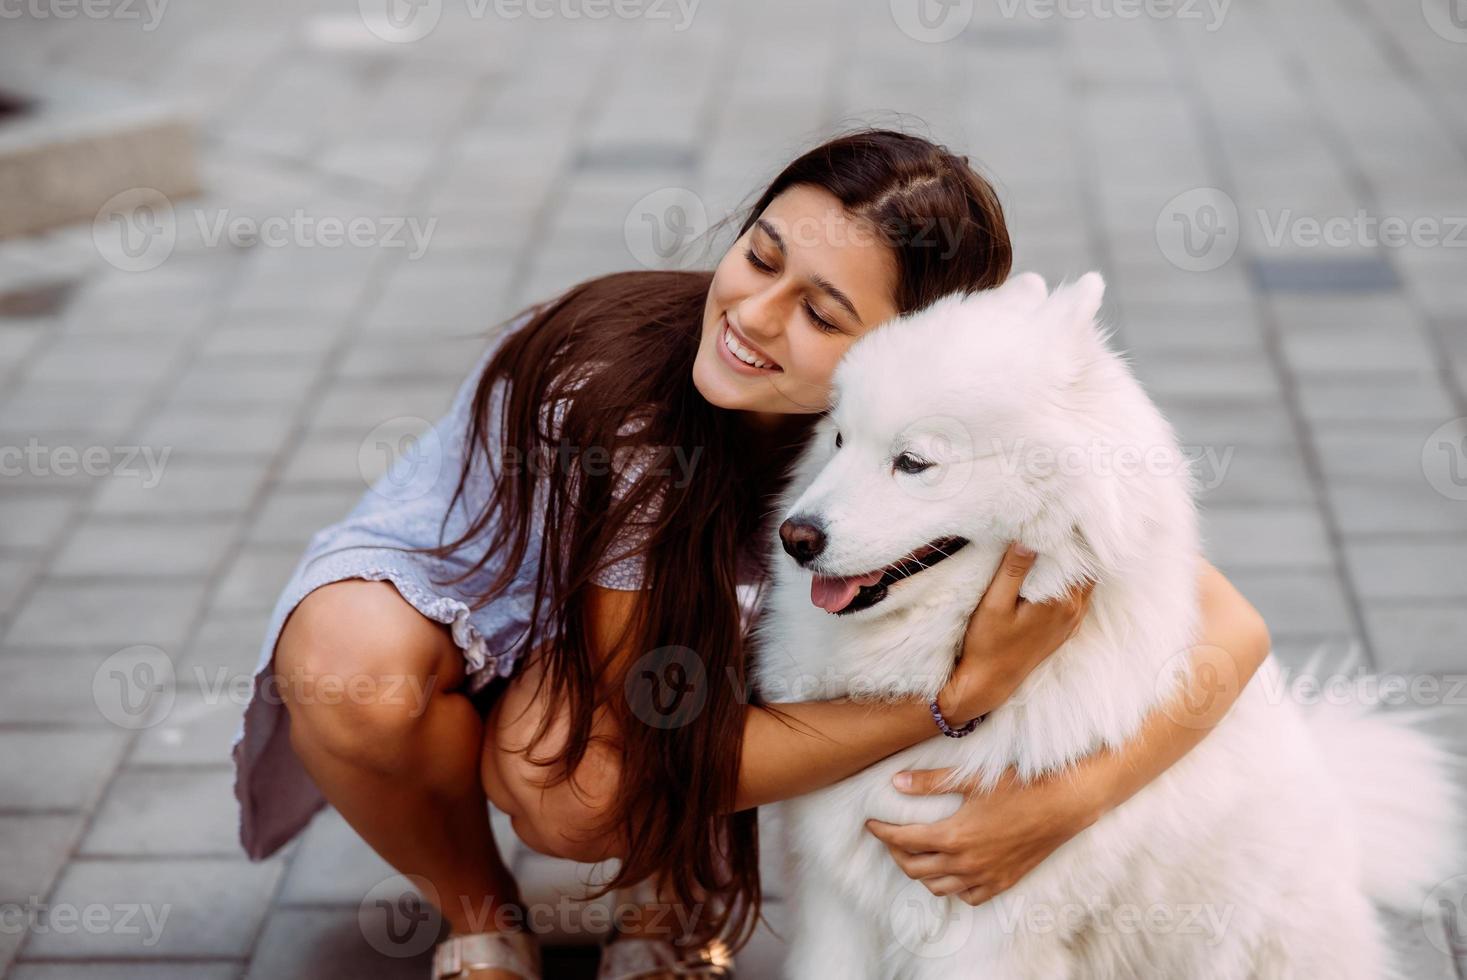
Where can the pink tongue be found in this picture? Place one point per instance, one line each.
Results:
(834, 594)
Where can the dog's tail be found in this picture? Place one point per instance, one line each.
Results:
(1401, 791)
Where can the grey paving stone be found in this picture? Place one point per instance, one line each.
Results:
(226, 646)
(334, 458)
(1316, 351)
(106, 614)
(1386, 455)
(1417, 636)
(254, 580)
(32, 850)
(1236, 475)
(1240, 424)
(226, 381)
(17, 571)
(33, 523)
(68, 414)
(310, 943)
(1265, 537)
(150, 970)
(1309, 602)
(1408, 570)
(290, 517)
(1172, 378)
(637, 157)
(1406, 508)
(200, 907)
(56, 770)
(187, 487)
(1364, 399)
(358, 408)
(140, 361)
(135, 549)
(1301, 274)
(255, 431)
(200, 724)
(333, 865)
(157, 812)
(1419, 958)
(1190, 327)
(49, 687)
(384, 360)
(271, 340)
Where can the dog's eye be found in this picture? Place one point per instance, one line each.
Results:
(908, 463)
(837, 440)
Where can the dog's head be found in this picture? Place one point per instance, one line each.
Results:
(951, 426)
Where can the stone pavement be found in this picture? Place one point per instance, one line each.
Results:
(1276, 189)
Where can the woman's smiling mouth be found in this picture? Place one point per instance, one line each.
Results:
(739, 352)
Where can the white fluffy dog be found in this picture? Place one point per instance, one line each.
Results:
(1004, 415)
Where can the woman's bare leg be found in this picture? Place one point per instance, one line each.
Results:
(399, 755)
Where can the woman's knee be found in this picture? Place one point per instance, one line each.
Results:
(358, 668)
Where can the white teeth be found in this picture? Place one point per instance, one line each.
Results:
(742, 352)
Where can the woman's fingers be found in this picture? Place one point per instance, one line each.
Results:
(915, 838)
(946, 885)
(928, 782)
(1003, 591)
(920, 865)
(976, 896)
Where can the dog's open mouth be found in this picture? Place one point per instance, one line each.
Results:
(856, 592)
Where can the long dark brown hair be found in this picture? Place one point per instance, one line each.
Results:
(618, 349)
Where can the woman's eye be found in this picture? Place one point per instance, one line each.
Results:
(837, 440)
(757, 262)
(821, 324)
(908, 463)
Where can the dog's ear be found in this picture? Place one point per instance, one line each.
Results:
(1079, 302)
(1027, 290)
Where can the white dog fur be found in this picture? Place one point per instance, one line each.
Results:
(1257, 855)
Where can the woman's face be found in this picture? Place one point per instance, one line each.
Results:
(816, 280)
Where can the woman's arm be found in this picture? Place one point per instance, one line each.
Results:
(998, 837)
(810, 745)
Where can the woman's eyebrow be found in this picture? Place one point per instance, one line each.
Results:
(830, 288)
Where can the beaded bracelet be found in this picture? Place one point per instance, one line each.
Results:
(948, 730)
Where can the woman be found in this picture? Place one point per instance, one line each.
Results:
(649, 418)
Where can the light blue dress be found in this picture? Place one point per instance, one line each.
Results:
(405, 508)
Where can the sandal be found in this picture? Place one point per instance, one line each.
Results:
(637, 958)
(514, 951)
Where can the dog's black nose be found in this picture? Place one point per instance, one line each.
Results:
(803, 539)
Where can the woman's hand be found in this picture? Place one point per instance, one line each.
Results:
(1007, 638)
(994, 839)
(997, 837)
